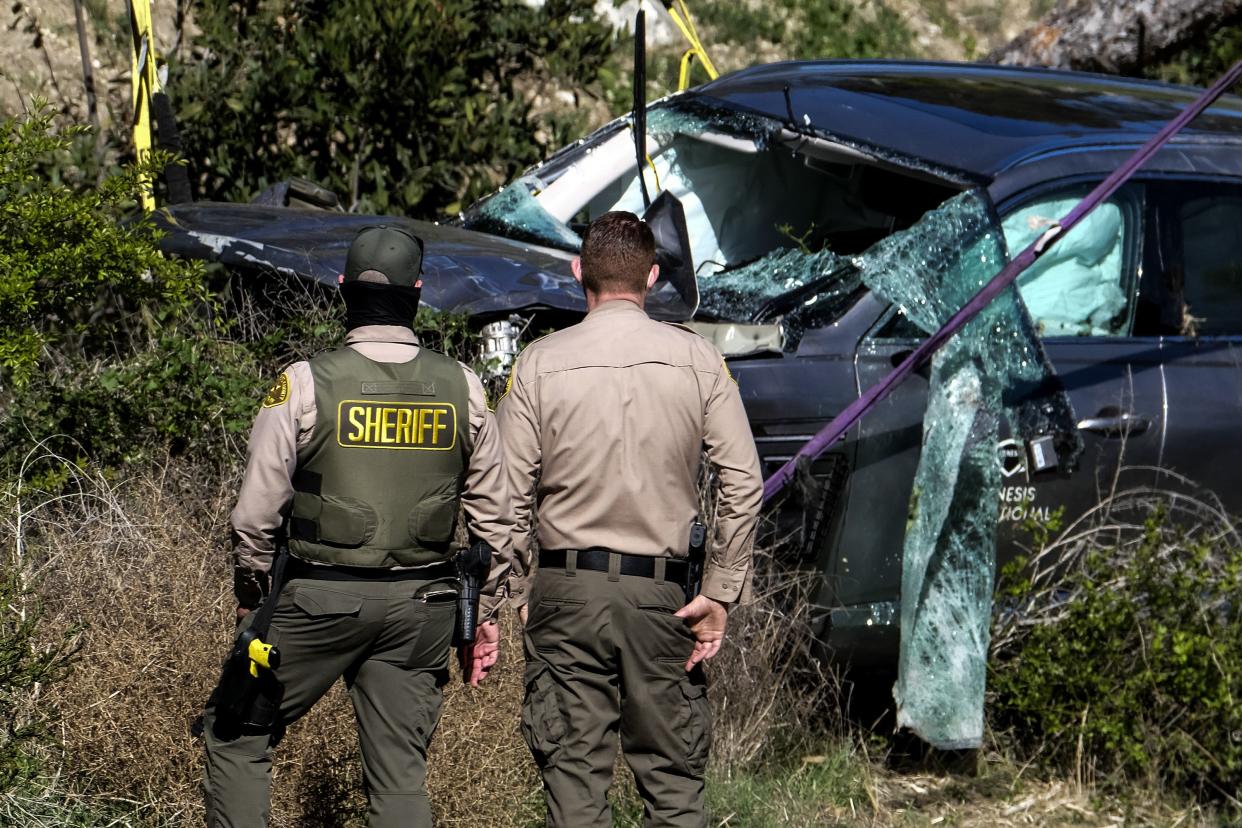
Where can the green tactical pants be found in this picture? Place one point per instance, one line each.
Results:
(605, 654)
(392, 648)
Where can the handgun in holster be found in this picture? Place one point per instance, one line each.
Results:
(247, 698)
(696, 555)
(473, 563)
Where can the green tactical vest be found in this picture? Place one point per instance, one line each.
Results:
(379, 482)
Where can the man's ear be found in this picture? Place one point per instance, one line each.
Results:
(576, 267)
(652, 276)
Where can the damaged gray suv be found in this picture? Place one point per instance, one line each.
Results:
(775, 181)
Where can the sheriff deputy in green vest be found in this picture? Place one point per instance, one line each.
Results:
(360, 458)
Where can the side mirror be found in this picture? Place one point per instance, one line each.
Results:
(667, 219)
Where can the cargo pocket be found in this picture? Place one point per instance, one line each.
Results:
(433, 520)
(697, 732)
(543, 720)
(337, 521)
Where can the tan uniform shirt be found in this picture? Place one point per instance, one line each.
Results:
(604, 425)
(280, 430)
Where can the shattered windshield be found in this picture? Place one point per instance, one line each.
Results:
(808, 206)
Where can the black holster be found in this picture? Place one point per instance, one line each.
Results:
(247, 698)
(696, 555)
(473, 564)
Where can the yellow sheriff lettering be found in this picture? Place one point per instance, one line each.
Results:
(396, 425)
(437, 426)
(404, 417)
(373, 425)
(388, 418)
(423, 423)
(354, 412)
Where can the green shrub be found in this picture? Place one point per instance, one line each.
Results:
(810, 29)
(1202, 61)
(1128, 660)
(71, 273)
(415, 107)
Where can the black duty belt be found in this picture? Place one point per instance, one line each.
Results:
(596, 560)
(330, 572)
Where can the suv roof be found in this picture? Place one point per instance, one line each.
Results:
(974, 119)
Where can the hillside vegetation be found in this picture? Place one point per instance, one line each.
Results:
(128, 382)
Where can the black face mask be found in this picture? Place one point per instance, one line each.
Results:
(367, 303)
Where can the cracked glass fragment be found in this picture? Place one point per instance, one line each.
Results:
(993, 369)
(690, 117)
(516, 214)
(735, 295)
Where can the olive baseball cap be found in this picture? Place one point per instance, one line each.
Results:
(384, 255)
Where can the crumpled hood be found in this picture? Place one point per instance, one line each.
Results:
(463, 271)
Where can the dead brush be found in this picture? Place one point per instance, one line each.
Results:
(141, 565)
(770, 692)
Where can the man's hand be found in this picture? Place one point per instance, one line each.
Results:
(523, 612)
(707, 618)
(477, 659)
(242, 612)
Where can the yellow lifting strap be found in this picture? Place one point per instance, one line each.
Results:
(681, 18)
(145, 83)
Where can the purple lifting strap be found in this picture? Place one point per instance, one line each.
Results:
(830, 433)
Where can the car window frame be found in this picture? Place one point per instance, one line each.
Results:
(1165, 246)
(1134, 214)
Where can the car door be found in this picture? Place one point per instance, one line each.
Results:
(1112, 377)
(1192, 298)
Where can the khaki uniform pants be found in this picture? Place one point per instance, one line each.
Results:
(392, 650)
(605, 654)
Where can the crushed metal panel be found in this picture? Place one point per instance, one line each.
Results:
(994, 368)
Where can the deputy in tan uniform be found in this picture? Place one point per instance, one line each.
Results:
(361, 456)
(603, 426)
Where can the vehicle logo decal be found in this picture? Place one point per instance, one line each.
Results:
(1011, 455)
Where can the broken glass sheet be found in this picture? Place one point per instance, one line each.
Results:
(1074, 288)
(735, 295)
(691, 117)
(516, 214)
(949, 555)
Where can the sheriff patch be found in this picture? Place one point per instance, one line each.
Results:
(396, 425)
(278, 393)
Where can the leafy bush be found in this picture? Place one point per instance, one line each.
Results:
(1203, 61)
(70, 273)
(809, 29)
(106, 347)
(1128, 659)
(415, 107)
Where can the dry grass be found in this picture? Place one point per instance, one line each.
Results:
(141, 565)
(769, 692)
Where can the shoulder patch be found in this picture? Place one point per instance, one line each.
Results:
(278, 394)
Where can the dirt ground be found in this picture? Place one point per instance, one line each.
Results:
(40, 54)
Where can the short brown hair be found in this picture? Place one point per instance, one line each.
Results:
(618, 251)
